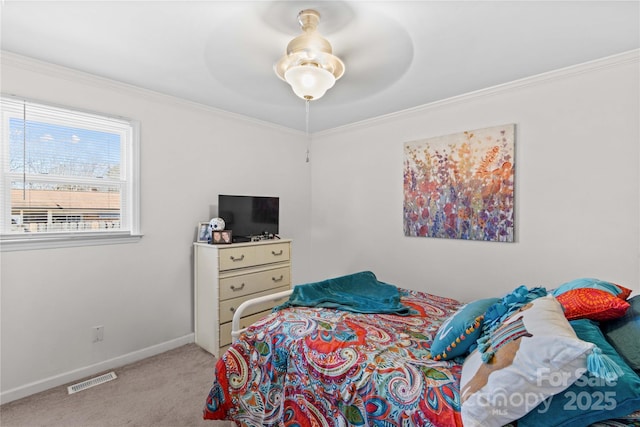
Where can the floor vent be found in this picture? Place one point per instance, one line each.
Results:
(92, 382)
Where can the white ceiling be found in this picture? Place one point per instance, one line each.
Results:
(398, 54)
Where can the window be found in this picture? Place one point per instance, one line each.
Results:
(68, 177)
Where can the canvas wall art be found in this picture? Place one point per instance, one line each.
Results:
(461, 186)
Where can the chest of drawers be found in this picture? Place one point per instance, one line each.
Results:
(227, 275)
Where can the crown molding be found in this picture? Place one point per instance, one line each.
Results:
(32, 64)
(629, 57)
(36, 65)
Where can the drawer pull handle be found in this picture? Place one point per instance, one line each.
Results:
(241, 287)
(234, 259)
(274, 253)
(232, 309)
(279, 279)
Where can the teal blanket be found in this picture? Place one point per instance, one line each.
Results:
(359, 292)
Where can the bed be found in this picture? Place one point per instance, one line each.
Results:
(331, 366)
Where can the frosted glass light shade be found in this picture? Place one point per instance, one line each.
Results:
(309, 81)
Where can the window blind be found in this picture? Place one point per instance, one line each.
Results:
(65, 171)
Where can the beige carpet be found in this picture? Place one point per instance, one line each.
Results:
(167, 390)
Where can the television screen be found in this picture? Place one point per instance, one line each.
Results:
(249, 216)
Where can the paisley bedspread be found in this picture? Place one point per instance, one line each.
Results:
(326, 367)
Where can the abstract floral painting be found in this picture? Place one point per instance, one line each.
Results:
(461, 186)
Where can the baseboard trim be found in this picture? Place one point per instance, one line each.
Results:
(77, 374)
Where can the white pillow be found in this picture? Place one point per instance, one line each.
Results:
(537, 354)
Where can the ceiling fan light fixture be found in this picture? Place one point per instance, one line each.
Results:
(309, 82)
(309, 65)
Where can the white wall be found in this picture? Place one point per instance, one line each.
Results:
(577, 187)
(141, 292)
(577, 209)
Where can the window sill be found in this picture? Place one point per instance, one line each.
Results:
(8, 244)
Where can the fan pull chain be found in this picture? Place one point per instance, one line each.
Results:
(307, 126)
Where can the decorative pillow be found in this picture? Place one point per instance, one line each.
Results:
(532, 348)
(589, 399)
(461, 330)
(590, 303)
(626, 292)
(514, 300)
(624, 334)
(613, 288)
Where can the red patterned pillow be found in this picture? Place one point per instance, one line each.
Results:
(625, 292)
(594, 304)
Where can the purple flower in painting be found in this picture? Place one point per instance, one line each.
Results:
(465, 228)
(437, 225)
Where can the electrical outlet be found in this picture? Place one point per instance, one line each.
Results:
(98, 333)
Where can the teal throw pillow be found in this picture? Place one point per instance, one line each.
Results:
(460, 331)
(624, 333)
(589, 399)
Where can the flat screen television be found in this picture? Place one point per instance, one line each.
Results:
(248, 216)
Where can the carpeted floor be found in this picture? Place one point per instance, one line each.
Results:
(167, 390)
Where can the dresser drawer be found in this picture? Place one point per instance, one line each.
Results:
(249, 256)
(247, 284)
(228, 307)
(278, 252)
(225, 328)
(238, 257)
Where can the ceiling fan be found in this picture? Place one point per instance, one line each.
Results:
(360, 38)
(309, 65)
